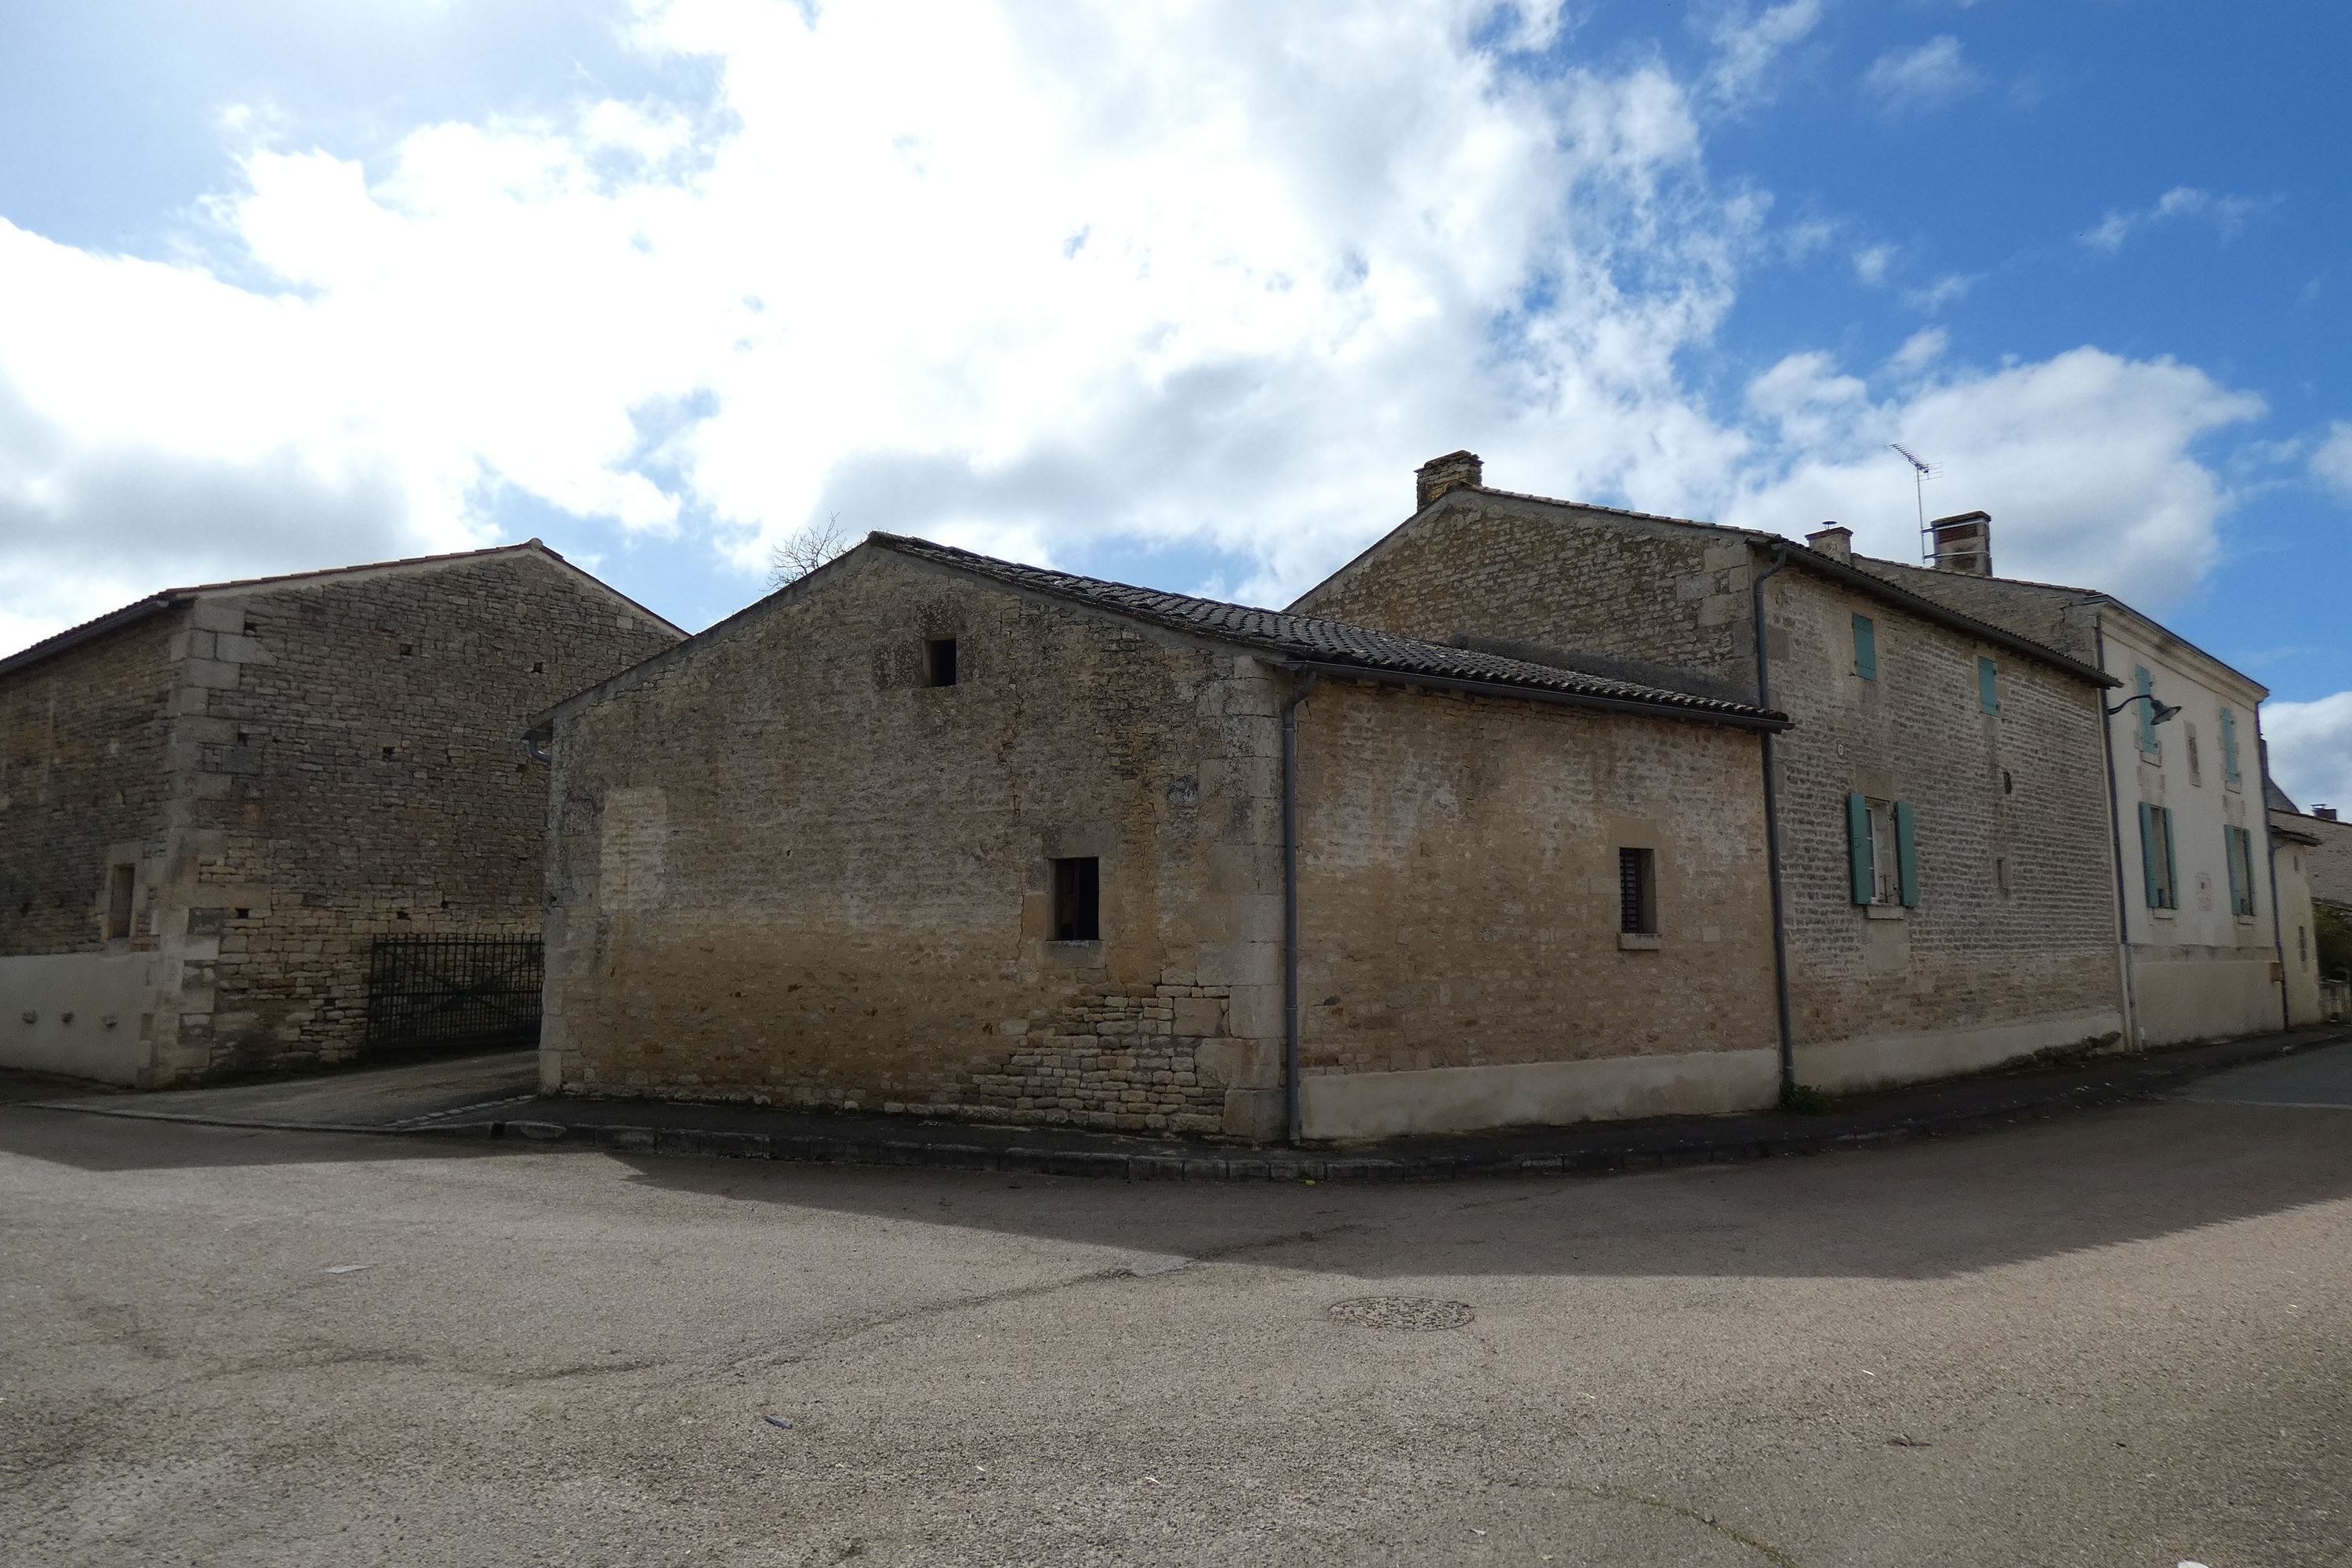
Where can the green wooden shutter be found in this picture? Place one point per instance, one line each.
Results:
(1865, 647)
(2143, 685)
(2147, 853)
(2229, 746)
(1907, 853)
(1857, 841)
(2172, 861)
(1987, 686)
(2237, 875)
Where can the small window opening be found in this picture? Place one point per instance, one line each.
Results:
(1077, 899)
(407, 649)
(1637, 892)
(387, 751)
(119, 886)
(245, 914)
(939, 665)
(1886, 860)
(250, 627)
(539, 666)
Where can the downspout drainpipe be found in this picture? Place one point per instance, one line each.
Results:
(2116, 834)
(1293, 1121)
(1772, 832)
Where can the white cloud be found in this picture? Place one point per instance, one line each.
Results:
(1933, 296)
(2331, 460)
(1216, 275)
(2311, 749)
(1934, 74)
(1750, 49)
(1920, 350)
(2226, 214)
(1871, 262)
(2083, 461)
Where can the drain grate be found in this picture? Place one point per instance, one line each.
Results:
(1421, 1314)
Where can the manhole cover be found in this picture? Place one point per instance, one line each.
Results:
(1419, 1313)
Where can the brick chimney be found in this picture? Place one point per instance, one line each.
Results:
(1963, 544)
(1438, 475)
(1832, 540)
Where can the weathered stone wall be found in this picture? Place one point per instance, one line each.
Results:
(784, 869)
(1975, 974)
(2053, 617)
(2017, 797)
(349, 763)
(1577, 578)
(1460, 910)
(82, 782)
(2331, 861)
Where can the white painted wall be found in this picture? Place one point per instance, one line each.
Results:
(2199, 972)
(80, 1014)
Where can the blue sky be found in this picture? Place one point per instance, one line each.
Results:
(1180, 296)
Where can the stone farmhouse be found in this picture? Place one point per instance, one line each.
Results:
(214, 800)
(931, 832)
(2312, 856)
(1939, 809)
(2206, 937)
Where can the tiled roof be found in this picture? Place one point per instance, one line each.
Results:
(1311, 640)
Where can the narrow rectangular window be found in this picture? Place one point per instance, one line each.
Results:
(2240, 844)
(1637, 892)
(1865, 647)
(119, 882)
(2143, 685)
(939, 662)
(2196, 763)
(1884, 859)
(2229, 747)
(1077, 899)
(1987, 686)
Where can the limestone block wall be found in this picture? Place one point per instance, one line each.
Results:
(84, 782)
(785, 868)
(1675, 593)
(349, 762)
(2012, 945)
(1461, 955)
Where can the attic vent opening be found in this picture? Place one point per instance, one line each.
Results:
(939, 662)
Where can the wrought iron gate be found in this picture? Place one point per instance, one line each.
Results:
(446, 992)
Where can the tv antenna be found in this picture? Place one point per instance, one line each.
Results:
(1922, 470)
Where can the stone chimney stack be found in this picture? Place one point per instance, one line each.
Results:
(1963, 544)
(1832, 540)
(2325, 813)
(1438, 475)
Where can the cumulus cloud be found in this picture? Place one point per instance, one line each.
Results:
(1749, 49)
(1213, 276)
(2311, 749)
(2085, 462)
(2227, 215)
(1937, 73)
(2331, 460)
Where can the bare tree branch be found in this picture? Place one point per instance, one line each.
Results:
(804, 551)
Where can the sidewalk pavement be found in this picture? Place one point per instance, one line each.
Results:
(769, 1132)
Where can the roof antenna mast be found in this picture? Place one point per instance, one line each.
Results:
(1922, 470)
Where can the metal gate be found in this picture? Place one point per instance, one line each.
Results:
(450, 993)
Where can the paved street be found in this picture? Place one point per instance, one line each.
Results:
(2115, 1339)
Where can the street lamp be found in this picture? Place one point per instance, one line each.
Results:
(2163, 710)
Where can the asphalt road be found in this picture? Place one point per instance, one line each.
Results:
(2118, 1340)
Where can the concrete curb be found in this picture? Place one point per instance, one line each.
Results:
(1637, 1149)
(1627, 1147)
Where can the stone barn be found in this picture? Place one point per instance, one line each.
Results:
(214, 802)
(933, 833)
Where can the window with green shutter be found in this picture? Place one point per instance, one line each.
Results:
(2143, 685)
(1865, 647)
(2238, 844)
(1907, 853)
(1988, 685)
(2229, 747)
(2155, 856)
(1865, 884)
